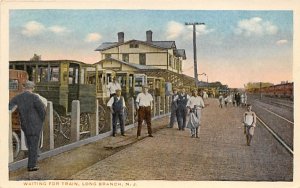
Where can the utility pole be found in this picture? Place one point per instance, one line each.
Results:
(195, 50)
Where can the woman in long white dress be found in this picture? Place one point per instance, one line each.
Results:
(194, 105)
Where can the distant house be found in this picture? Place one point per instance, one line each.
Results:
(158, 54)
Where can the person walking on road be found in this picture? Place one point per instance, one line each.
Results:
(221, 100)
(144, 105)
(117, 104)
(238, 99)
(113, 86)
(194, 105)
(181, 99)
(173, 108)
(32, 115)
(249, 124)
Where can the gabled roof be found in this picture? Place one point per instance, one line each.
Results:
(106, 45)
(164, 44)
(137, 66)
(180, 53)
(155, 44)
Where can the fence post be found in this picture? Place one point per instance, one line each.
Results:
(11, 152)
(154, 106)
(94, 127)
(170, 103)
(48, 138)
(97, 117)
(75, 121)
(158, 105)
(166, 104)
(132, 107)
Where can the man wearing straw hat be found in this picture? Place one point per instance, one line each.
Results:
(144, 103)
(32, 115)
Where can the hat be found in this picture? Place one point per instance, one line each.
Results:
(118, 90)
(145, 86)
(29, 85)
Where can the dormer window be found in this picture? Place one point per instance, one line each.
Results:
(133, 45)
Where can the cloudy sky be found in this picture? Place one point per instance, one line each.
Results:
(234, 47)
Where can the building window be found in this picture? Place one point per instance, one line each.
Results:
(142, 59)
(107, 56)
(133, 45)
(125, 57)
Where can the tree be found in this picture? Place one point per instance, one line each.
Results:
(36, 57)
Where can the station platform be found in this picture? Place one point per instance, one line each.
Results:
(220, 153)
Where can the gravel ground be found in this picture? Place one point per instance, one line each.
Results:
(219, 154)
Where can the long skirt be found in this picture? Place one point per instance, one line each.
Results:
(194, 119)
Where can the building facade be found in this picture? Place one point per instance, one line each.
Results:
(158, 54)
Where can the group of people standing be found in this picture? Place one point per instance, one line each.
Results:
(187, 110)
(235, 99)
(116, 103)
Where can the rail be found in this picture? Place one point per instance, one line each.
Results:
(276, 136)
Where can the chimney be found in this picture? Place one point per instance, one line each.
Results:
(121, 37)
(149, 36)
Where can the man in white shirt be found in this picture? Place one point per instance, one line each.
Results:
(117, 105)
(144, 103)
(113, 86)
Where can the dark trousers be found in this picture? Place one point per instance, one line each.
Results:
(115, 117)
(172, 117)
(144, 113)
(32, 144)
(181, 117)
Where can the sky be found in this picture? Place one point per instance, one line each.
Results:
(233, 47)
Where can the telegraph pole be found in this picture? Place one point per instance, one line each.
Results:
(195, 50)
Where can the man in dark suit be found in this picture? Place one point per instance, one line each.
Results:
(32, 114)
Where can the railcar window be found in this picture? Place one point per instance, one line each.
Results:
(46, 74)
(13, 85)
(73, 75)
(82, 80)
(54, 74)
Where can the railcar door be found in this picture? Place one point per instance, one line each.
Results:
(87, 89)
(73, 84)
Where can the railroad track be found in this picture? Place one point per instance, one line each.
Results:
(276, 136)
(279, 126)
(278, 102)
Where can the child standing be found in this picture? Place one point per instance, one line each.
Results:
(249, 124)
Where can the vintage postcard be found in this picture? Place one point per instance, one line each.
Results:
(160, 93)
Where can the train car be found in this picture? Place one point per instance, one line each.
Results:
(60, 81)
(285, 90)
